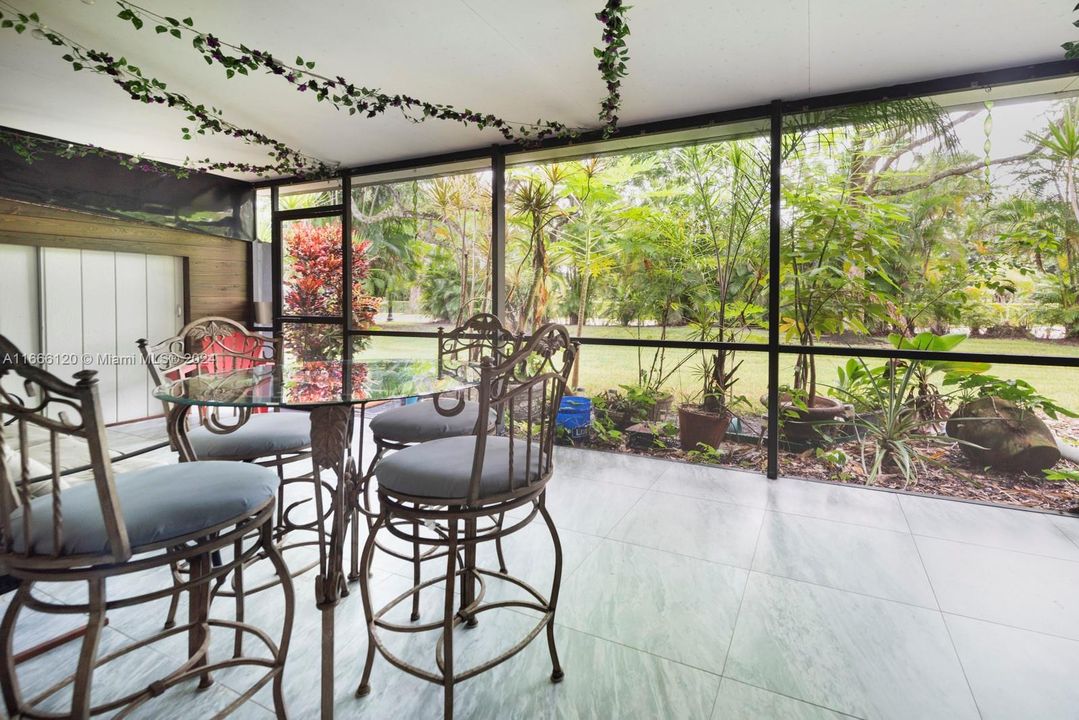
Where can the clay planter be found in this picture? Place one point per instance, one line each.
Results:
(809, 424)
(696, 426)
(1008, 437)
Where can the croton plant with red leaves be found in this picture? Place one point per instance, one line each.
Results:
(312, 287)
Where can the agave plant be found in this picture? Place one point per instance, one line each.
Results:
(897, 434)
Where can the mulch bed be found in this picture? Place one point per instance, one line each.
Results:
(949, 473)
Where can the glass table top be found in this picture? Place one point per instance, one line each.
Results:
(317, 382)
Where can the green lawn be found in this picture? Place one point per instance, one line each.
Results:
(607, 367)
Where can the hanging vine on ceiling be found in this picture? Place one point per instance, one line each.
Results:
(338, 91)
(612, 61)
(150, 90)
(1071, 49)
(32, 147)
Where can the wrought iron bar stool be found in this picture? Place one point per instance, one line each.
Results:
(465, 485)
(116, 525)
(482, 335)
(274, 440)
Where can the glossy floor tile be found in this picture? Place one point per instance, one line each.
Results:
(711, 483)
(1003, 586)
(842, 503)
(1069, 525)
(589, 506)
(866, 560)
(859, 655)
(703, 529)
(998, 527)
(688, 592)
(738, 701)
(1017, 673)
(617, 468)
(651, 600)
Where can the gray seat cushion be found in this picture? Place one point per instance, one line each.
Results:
(443, 468)
(158, 504)
(420, 422)
(263, 435)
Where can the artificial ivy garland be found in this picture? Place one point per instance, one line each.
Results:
(1071, 49)
(612, 61)
(338, 91)
(150, 90)
(33, 147)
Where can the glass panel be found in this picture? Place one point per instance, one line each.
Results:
(311, 267)
(993, 433)
(669, 242)
(303, 342)
(319, 349)
(262, 259)
(634, 418)
(378, 347)
(421, 251)
(920, 215)
(321, 193)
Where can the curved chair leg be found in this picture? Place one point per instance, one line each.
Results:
(498, 547)
(9, 682)
(174, 602)
(198, 612)
(447, 621)
(238, 590)
(368, 611)
(468, 577)
(556, 583)
(279, 522)
(80, 694)
(417, 573)
(285, 576)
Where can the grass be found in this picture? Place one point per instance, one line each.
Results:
(607, 367)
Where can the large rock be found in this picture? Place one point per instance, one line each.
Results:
(1012, 438)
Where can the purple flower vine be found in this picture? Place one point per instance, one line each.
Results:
(337, 91)
(150, 90)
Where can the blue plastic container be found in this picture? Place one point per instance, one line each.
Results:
(575, 416)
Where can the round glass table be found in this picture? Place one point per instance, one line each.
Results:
(330, 391)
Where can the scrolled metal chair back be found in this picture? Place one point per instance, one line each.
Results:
(482, 335)
(207, 345)
(525, 390)
(30, 535)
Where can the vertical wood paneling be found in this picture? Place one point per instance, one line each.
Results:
(161, 294)
(99, 324)
(132, 381)
(19, 320)
(62, 309)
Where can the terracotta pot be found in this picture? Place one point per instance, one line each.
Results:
(696, 426)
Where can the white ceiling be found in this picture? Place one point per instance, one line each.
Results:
(520, 60)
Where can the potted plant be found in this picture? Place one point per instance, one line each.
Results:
(705, 423)
(724, 224)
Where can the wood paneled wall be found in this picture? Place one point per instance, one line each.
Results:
(218, 272)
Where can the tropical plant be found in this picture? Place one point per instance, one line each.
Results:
(896, 436)
(1018, 392)
(727, 187)
(314, 271)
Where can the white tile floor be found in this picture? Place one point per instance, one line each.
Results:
(691, 592)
